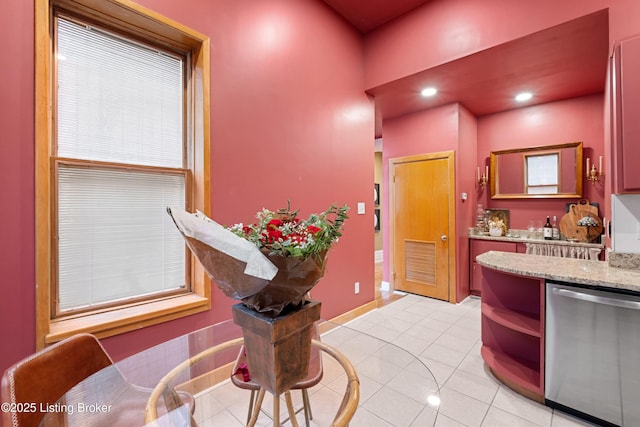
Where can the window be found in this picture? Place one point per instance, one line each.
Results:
(542, 173)
(127, 136)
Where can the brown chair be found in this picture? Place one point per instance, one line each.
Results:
(241, 377)
(46, 376)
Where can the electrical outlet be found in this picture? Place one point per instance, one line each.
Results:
(356, 288)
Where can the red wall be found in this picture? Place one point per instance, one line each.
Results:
(444, 30)
(467, 163)
(578, 119)
(289, 120)
(17, 268)
(450, 127)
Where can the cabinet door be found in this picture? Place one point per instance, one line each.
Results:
(628, 126)
(476, 277)
(478, 247)
(481, 246)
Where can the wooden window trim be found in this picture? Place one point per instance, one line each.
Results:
(146, 24)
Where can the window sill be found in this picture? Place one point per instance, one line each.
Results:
(118, 321)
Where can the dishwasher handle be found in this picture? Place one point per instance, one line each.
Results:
(634, 305)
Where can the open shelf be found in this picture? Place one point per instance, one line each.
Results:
(515, 370)
(521, 322)
(513, 330)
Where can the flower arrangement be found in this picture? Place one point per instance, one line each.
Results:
(283, 233)
(271, 265)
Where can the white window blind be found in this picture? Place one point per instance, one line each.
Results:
(120, 102)
(115, 239)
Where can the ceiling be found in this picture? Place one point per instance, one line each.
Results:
(565, 61)
(367, 15)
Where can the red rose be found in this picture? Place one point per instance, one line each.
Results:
(313, 229)
(275, 223)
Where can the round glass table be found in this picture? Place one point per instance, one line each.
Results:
(188, 381)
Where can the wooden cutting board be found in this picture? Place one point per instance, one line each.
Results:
(569, 222)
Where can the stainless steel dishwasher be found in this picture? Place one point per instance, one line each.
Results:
(592, 353)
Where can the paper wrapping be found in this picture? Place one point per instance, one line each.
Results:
(295, 278)
(233, 263)
(264, 282)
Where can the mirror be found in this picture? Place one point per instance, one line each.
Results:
(553, 171)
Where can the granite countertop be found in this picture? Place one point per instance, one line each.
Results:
(525, 240)
(586, 272)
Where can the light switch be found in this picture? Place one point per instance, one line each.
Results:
(360, 208)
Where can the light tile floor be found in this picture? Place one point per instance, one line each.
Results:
(445, 337)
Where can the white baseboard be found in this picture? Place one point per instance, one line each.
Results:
(377, 256)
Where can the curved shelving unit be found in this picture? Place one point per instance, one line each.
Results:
(514, 372)
(513, 330)
(517, 321)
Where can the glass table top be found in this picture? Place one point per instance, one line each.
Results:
(395, 386)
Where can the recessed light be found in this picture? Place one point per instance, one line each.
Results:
(429, 91)
(524, 96)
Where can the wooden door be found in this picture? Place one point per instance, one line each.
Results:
(422, 215)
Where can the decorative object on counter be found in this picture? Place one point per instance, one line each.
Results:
(535, 229)
(547, 230)
(484, 178)
(480, 220)
(555, 232)
(590, 223)
(594, 174)
(497, 227)
(569, 222)
(500, 218)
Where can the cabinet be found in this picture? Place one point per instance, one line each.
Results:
(513, 330)
(625, 110)
(478, 247)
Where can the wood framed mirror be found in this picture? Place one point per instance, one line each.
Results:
(552, 171)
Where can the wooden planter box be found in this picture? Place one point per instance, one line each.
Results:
(278, 348)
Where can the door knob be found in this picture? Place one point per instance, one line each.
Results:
(443, 237)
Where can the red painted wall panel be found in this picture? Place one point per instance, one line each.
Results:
(17, 265)
(578, 119)
(444, 30)
(429, 131)
(289, 120)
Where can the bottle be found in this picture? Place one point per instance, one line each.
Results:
(547, 230)
(480, 219)
(487, 218)
(555, 232)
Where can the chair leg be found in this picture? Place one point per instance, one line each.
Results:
(276, 410)
(256, 411)
(307, 406)
(292, 411)
(251, 403)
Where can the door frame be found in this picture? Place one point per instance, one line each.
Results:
(451, 235)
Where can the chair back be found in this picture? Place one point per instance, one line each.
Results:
(44, 377)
